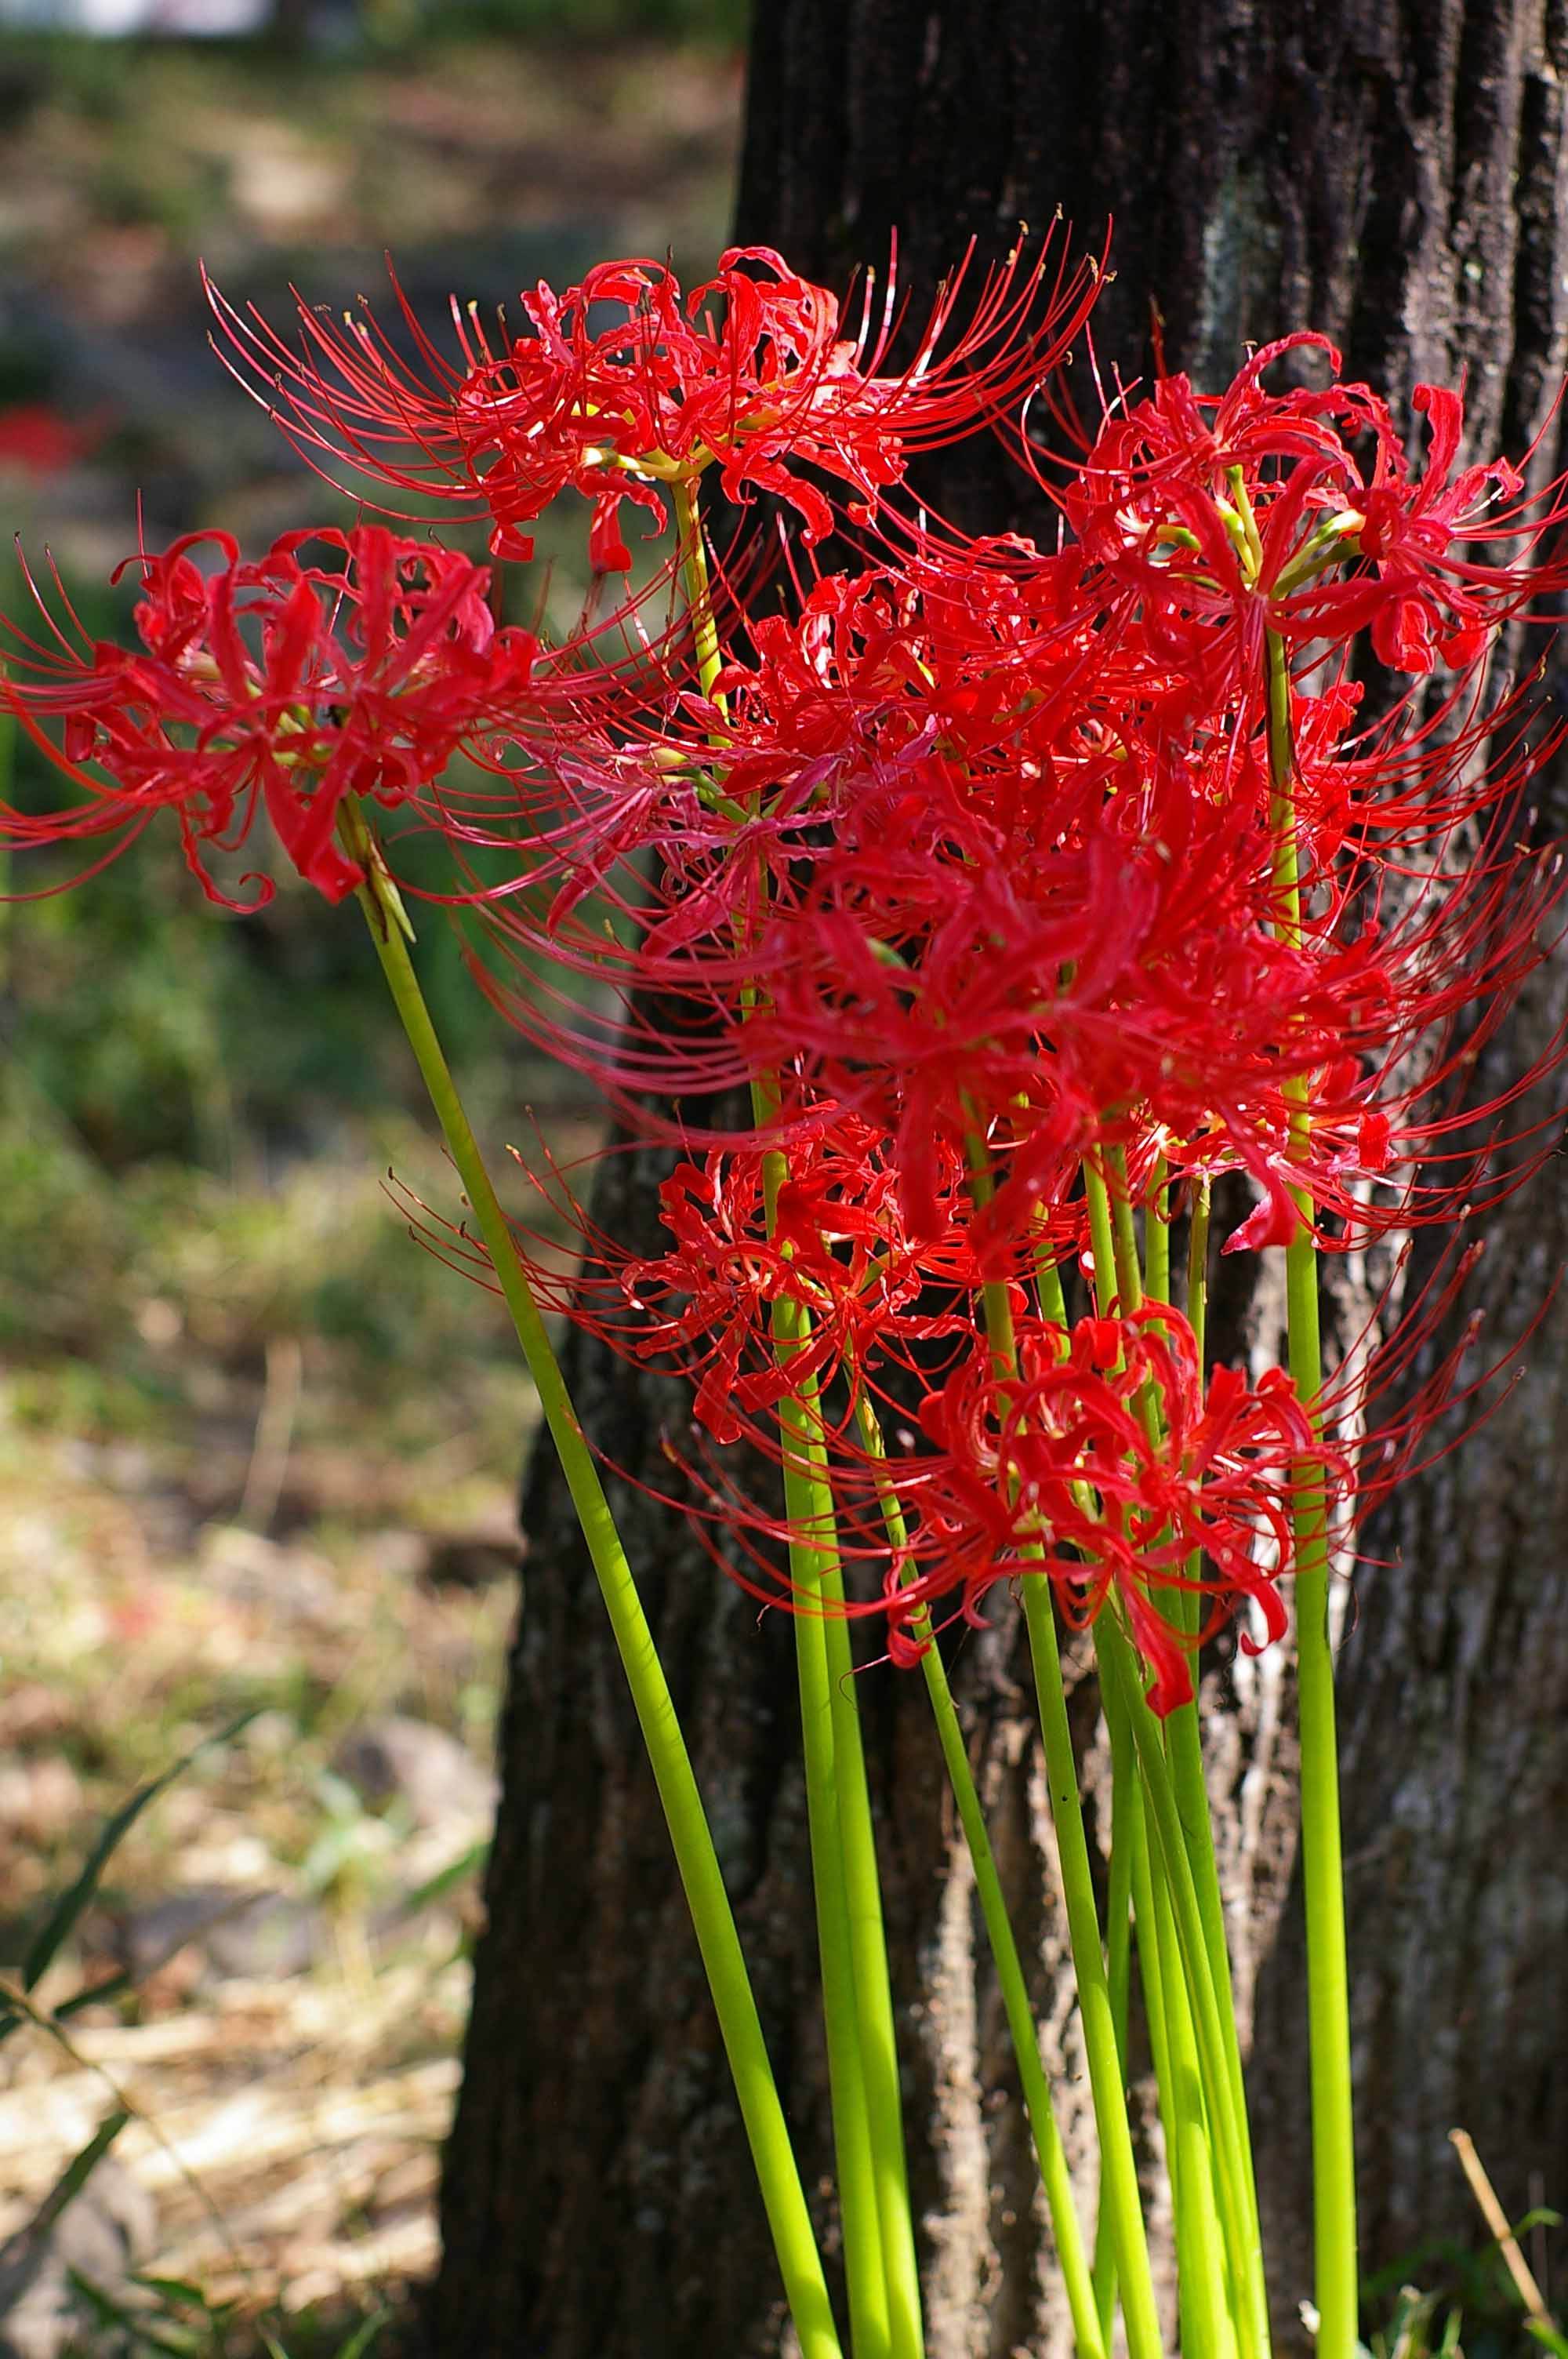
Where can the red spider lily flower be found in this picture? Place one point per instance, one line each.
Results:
(1055, 1471)
(833, 1247)
(753, 373)
(287, 683)
(1429, 602)
(1222, 513)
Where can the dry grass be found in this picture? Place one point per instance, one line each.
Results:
(286, 2128)
(292, 2156)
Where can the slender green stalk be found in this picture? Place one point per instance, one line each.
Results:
(696, 585)
(1102, 1241)
(1202, 2288)
(1048, 1285)
(1126, 1833)
(788, 2218)
(857, 1985)
(1150, 1957)
(854, 2137)
(1127, 1843)
(1119, 2175)
(1184, 1749)
(1206, 2298)
(873, 1982)
(878, 2240)
(1328, 1986)
(1180, 1732)
(1091, 2323)
(1190, 2157)
(1323, 1876)
(1119, 1901)
(1124, 1239)
(1244, 2258)
(1197, 1271)
(1180, 1800)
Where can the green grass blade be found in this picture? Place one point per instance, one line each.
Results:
(62, 1920)
(77, 2171)
(364, 2335)
(179, 2344)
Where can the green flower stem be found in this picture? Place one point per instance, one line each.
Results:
(857, 2004)
(788, 2218)
(1187, 1822)
(873, 1984)
(1102, 1240)
(1180, 1732)
(1048, 1285)
(1183, 1745)
(1129, 1856)
(1151, 1958)
(1190, 2157)
(857, 1986)
(1124, 1239)
(696, 585)
(1126, 1834)
(1328, 1986)
(1119, 2173)
(1322, 1875)
(1090, 2325)
(1204, 2295)
(1119, 1903)
(1157, 1236)
(1189, 2163)
(811, 1547)
(1243, 2255)
(1197, 1271)
(1206, 2298)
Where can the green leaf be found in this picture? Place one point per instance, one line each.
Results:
(62, 1916)
(90, 1993)
(77, 2171)
(175, 2290)
(1545, 2332)
(364, 2335)
(457, 1871)
(177, 2343)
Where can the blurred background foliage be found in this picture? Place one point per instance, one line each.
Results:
(259, 1451)
(487, 143)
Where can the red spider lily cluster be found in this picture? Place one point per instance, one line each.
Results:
(998, 874)
(1052, 1467)
(752, 373)
(288, 683)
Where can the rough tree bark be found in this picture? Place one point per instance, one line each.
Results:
(1392, 171)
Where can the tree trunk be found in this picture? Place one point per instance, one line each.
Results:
(1392, 172)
